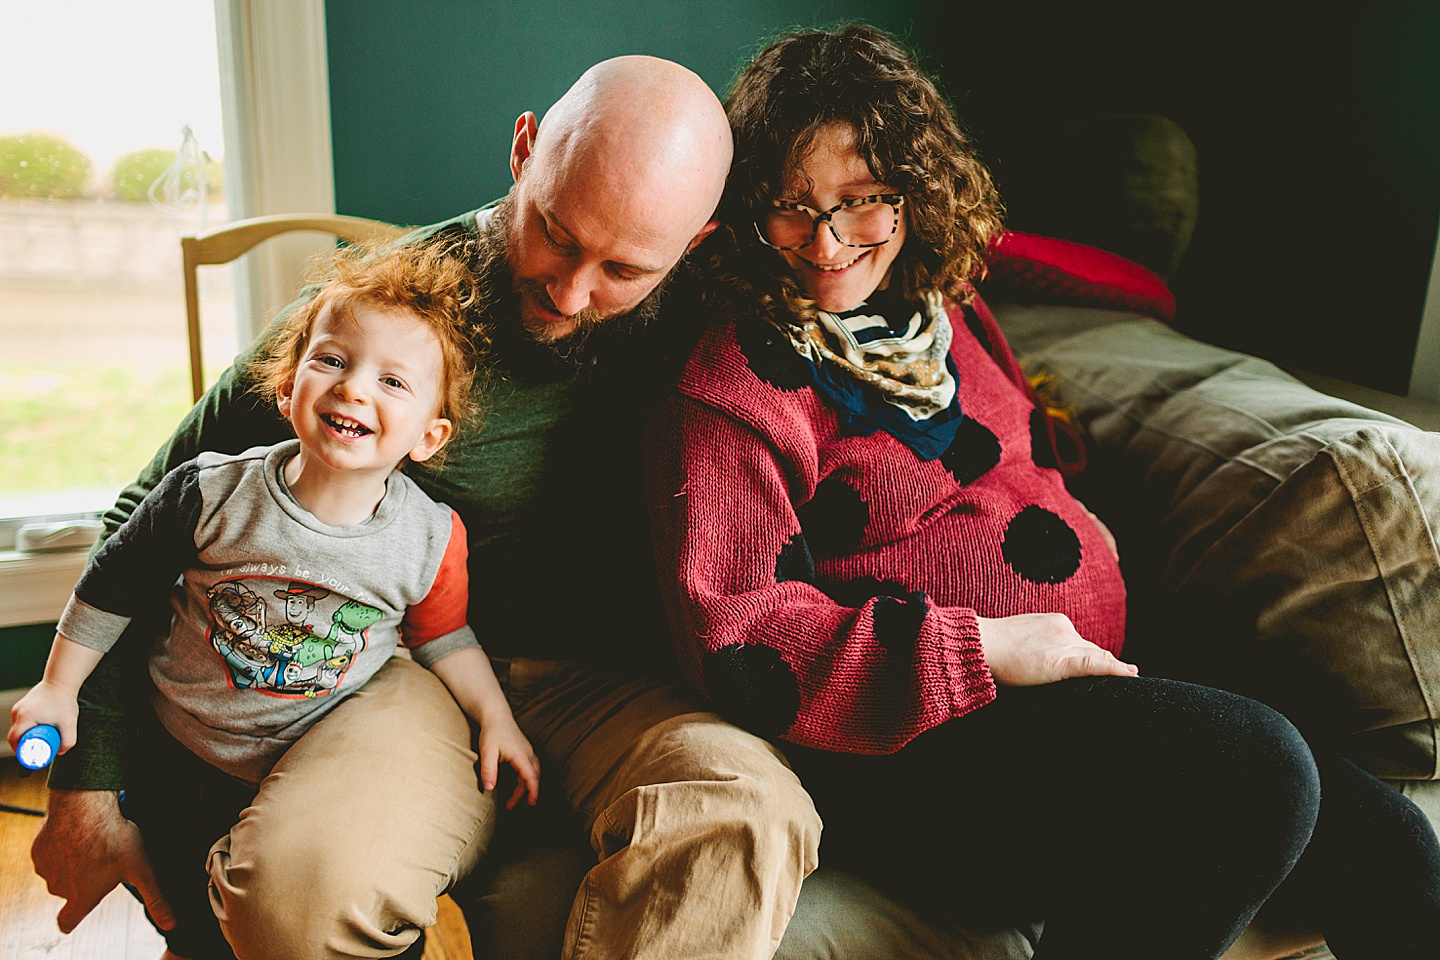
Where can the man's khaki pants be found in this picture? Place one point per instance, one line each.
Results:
(702, 833)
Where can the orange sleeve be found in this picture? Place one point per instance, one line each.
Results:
(445, 608)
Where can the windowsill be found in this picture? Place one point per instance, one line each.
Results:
(36, 583)
(35, 586)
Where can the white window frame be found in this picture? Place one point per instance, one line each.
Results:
(275, 100)
(1425, 371)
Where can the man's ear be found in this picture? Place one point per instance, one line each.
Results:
(435, 436)
(705, 231)
(524, 143)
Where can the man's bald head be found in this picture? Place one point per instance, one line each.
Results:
(652, 127)
(614, 186)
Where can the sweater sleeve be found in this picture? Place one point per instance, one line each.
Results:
(438, 625)
(754, 630)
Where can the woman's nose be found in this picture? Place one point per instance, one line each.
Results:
(824, 245)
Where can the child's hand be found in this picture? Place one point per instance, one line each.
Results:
(501, 739)
(45, 703)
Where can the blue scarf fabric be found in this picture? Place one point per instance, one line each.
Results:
(864, 410)
(886, 365)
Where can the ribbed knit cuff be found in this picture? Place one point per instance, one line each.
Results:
(94, 763)
(428, 652)
(971, 684)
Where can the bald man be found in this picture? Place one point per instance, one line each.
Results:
(701, 835)
(619, 182)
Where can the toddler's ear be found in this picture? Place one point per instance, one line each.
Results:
(283, 395)
(436, 435)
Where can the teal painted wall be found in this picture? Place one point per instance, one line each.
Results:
(1319, 146)
(1318, 139)
(424, 93)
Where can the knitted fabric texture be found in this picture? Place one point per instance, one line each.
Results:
(825, 587)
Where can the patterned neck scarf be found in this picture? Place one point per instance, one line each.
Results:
(886, 366)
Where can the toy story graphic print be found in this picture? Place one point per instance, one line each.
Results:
(286, 638)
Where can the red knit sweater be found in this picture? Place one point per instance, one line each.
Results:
(824, 587)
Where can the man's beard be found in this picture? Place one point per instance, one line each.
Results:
(501, 295)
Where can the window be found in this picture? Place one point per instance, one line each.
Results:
(103, 166)
(83, 322)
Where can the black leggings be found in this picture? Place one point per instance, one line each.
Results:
(1136, 817)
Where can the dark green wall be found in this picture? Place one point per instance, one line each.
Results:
(1319, 145)
(1318, 135)
(424, 93)
(22, 654)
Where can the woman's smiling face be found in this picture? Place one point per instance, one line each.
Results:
(835, 276)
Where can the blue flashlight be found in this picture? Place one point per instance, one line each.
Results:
(37, 746)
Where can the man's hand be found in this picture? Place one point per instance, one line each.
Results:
(85, 849)
(1036, 648)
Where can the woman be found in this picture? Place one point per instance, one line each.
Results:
(869, 552)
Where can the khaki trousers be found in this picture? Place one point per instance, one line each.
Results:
(371, 815)
(702, 834)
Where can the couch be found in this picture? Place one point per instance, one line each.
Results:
(1278, 533)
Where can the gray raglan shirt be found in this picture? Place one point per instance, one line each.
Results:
(277, 616)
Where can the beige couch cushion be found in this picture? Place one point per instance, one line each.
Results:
(1335, 579)
(1279, 541)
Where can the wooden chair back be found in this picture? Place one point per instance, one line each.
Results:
(224, 244)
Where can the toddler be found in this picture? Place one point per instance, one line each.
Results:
(293, 570)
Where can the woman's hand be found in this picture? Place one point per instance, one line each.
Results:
(1031, 649)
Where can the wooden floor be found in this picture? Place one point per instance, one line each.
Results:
(117, 929)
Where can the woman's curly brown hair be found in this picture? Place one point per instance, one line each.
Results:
(906, 133)
(428, 279)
